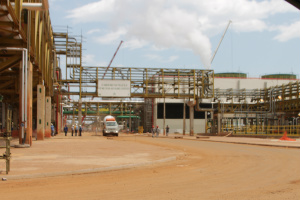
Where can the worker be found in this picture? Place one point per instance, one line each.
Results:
(76, 129)
(52, 129)
(72, 128)
(66, 130)
(153, 131)
(80, 130)
(167, 130)
(157, 131)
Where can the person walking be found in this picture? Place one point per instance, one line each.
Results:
(80, 130)
(76, 129)
(153, 131)
(157, 131)
(52, 129)
(66, 130)
(167, 130)
(72, 128)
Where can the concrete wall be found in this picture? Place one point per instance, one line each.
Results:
(176, 125)
(249, 83)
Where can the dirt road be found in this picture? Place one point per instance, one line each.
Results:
(203, 170)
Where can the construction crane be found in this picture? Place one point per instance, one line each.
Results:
(112, 58)
(220, 42)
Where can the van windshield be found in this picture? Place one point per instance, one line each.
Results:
(111, 123)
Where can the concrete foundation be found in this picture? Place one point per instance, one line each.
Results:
(40, 112)
(191, 105)
(48, 112)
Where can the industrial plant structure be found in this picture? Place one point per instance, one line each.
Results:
(36, 89)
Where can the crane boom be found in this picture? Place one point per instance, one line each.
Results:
(112, 58)
(220, 41)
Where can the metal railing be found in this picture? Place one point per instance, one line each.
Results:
(262, 130)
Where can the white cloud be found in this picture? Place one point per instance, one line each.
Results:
(92, 31)
(135, 44)
(178, 24)
(111, 36)
(96, 11)
(288, 32)
(89, 60)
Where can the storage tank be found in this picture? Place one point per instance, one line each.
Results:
(280, 76)
(231, 75)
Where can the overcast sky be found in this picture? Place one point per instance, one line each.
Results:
(263, 38)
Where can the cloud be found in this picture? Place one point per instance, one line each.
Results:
(91, 12)
(288, 32)
(111, 36)
(89, 60)
(92, 31)
(188, 24)
(135, 43)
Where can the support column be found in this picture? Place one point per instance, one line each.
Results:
(73, 117)
(40, 112)
(154, 112)
(48, 112)
(21, 104)
(164, 126)
(191, 104)
(219, 124)
(15, 132)
(28, 139)
(2, 127)
(205, 122)
(184, 116)
(79, 111)
(130, 122)
(58, 127)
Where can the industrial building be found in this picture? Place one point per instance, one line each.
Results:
(234, 95)
(37, 90)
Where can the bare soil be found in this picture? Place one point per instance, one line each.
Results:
(202, 170)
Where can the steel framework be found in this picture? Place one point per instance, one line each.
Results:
(147, 82)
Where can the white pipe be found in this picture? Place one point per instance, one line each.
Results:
(106, 101)
(25, 87)
(31, 6)
(23, 93)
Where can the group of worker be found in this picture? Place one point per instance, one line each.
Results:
(73, 128)
(156, 131)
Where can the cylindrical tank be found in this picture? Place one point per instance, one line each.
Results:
(280, 76)
(231, 75)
